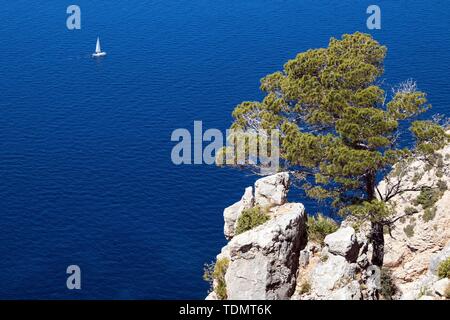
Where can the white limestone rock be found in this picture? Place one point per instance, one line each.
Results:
(232, 213)
(352, 291)
(264, 260)
(437, 258)
(272, 190)
(440, 286)
(343, 242)
(212, 296)
(332, 273)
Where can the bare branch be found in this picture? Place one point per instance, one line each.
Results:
(407, 86)
(379, 193)
(392, 221)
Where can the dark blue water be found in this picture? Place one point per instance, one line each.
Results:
(85, 171)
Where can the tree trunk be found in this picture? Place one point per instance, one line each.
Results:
(377, 236)
(378, 244)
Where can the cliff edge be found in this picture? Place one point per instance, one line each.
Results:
(271, 254)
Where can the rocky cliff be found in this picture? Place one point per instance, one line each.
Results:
(274, 259)
(420, 239)
(262, 263)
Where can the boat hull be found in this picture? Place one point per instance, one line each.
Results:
(98, 55)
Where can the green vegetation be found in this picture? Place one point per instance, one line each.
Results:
(416, 178)
(410, 211)
(324, 258)
(305, 287)
(429, 214)
(357, 225)
(428, 197)
(217, 272)
(409, 230)
(388, 288)
(428, 166)
(250, 219)
(337, 127)
(444, 269)
(319, 227)
(439, 161)
(442, 186)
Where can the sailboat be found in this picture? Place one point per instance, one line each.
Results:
(98, 50)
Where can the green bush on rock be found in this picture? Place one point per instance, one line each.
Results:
(388, 288)
(410, 211)
(444, 269)
(409, 230)
(428, 197)
(305, 288)
(319, 227)
(216, 272)
(250, 219)
(429, 214)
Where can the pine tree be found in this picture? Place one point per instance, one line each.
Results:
(338, 131)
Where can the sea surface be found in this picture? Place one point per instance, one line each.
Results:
(86, 176)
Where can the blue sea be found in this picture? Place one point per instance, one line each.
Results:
(86, 176)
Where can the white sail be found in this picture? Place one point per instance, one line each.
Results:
(97, 47)
(98, 50)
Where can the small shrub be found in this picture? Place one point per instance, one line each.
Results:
(219, 275)
(410, 210)
(409, 230)
(319, 227)
(388, 288)
(250, 219)
(208, 271)
(324, 258)
(402, 220)
(357, 226)
(440, 162)
(216, 271)
(428, 166)
(305, 287)
(416, 178)
(428, 197)
(444, 269)
(435, 160)
(429, 214)
(442, 186)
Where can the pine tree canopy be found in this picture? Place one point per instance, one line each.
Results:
(339, 128)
